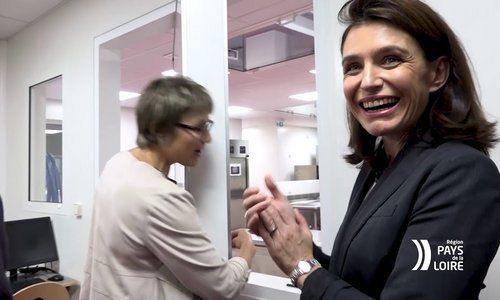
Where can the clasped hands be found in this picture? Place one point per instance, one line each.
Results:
(283, 229)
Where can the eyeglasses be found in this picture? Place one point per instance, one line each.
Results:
(205, 128)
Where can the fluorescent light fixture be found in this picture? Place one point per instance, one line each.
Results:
(309, 96)
(313, 71)
(128, 95)
(52, 131)
(236, 110)
(170, 73)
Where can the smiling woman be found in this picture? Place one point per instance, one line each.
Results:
(387, 81)
(420, 137)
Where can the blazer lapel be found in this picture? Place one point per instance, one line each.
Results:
(360, 187)
(389, 182)
(364, 179)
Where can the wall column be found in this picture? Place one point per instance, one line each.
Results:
(109, 105)
(336, 176)
(204, 55)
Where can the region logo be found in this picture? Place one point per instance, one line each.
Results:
(424, 255)
(448, 256)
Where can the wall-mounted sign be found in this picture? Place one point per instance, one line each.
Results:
(234, 169)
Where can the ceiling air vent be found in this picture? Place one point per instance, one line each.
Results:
(272, 44)
(232, 54)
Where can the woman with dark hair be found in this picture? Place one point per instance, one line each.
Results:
(146, 239)
(422, 221)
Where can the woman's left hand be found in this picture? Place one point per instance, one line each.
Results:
(290, 241)
(242, 240)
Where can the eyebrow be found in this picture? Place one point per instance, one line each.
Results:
(378, 51)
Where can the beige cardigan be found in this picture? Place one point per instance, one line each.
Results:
(147, 243)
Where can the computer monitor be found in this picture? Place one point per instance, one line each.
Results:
(30, 242)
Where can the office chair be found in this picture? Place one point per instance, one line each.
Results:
(43, 291)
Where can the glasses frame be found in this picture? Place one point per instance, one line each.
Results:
(203, 129)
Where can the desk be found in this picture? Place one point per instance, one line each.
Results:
(69, 283)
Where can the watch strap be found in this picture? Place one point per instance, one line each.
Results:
(297, 272)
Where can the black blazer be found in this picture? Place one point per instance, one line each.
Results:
(440, 200)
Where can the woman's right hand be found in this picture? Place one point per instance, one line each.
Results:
(242, 240)
(255, 203)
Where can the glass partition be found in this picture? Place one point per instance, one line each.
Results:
(272, 112)
(45, 141)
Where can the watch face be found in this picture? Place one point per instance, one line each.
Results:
(304, 266)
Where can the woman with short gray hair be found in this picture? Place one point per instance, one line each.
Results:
(163, 104)
(146, 239)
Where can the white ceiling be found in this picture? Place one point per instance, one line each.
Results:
(17, 14)
(265, 89)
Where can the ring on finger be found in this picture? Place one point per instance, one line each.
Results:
(272, 229)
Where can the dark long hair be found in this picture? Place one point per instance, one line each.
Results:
(454, 111)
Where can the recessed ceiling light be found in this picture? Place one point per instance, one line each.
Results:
(128, 95)
(236, 110)
(168, 73)
(313, 71)
(52, 131)
(309, 96)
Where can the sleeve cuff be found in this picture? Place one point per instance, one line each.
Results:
(242, 265)
(317, 283)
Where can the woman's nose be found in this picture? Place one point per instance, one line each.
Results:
(206, 137)
(371, 79)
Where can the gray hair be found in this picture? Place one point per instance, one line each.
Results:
(163, 103)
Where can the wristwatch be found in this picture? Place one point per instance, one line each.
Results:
(303, 267)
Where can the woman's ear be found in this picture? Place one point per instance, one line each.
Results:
(440, 72)
(165, 138)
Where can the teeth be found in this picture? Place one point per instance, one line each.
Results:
(375, 103)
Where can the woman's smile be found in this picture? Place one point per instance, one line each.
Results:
(386, 79)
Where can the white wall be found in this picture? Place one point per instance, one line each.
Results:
(235, 129)
(296, 146)
(336, 177)
(53, 109)
(60, 43)
(275, 150)
(108, 74)
(204, 47)
(3, 121)
(262, 139)
(128, 129)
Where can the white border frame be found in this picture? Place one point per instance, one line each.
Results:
(50, 208)
(98, 42)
